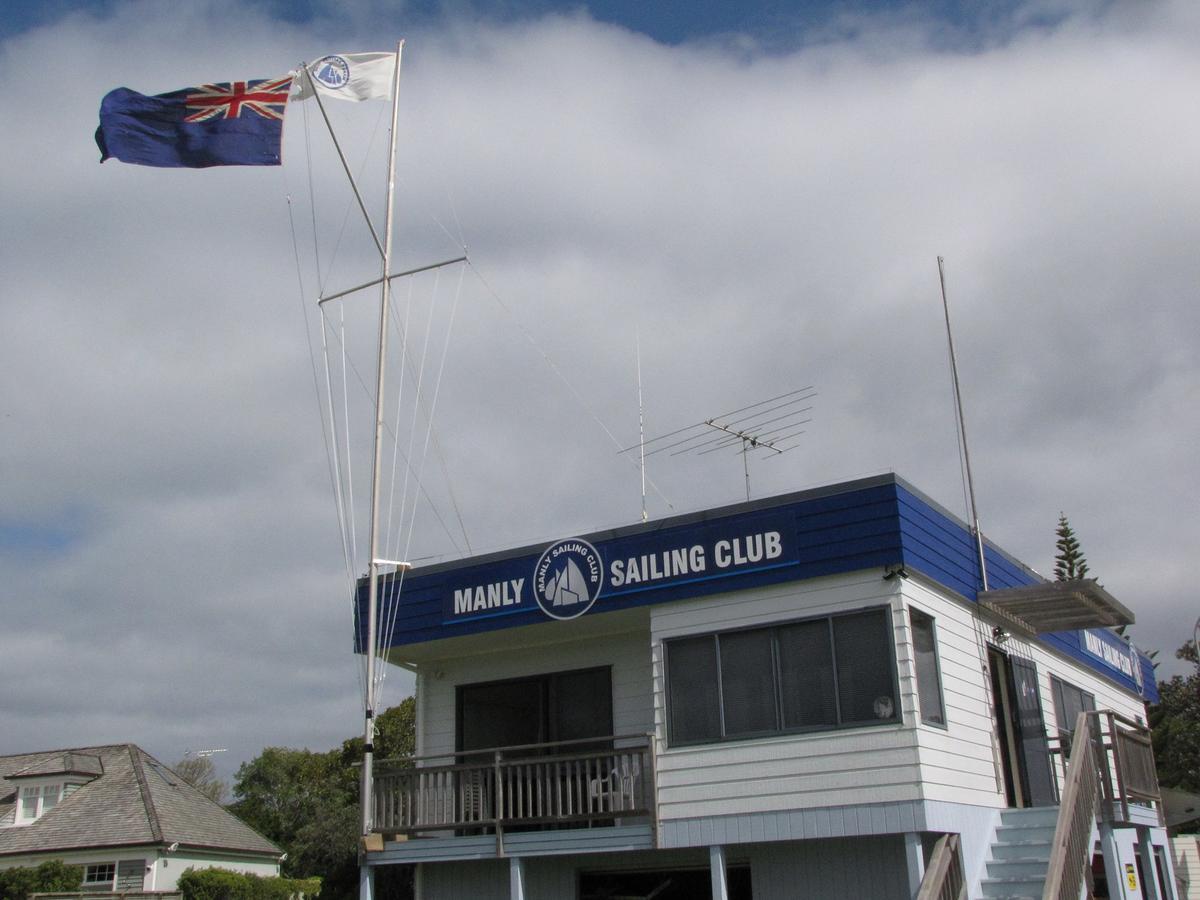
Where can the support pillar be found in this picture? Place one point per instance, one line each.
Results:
(366, 882)
(1149, 865)
(914, 858)
(516, 878)
(1117, 848)
(716, 867)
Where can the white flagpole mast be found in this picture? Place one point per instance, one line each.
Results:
(374, 563)
(962, 430)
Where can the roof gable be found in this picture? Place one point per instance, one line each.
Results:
(135, 800)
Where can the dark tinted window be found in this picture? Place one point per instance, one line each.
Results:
(692, 677)
(747, 681)
(929, 680)
(821, 673)
(806, 675)
(866, 681)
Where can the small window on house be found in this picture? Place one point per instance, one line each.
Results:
(99, 876)
(929, 676)
(1069, 702)
(37, 800)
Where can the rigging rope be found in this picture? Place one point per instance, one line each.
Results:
(562, 377)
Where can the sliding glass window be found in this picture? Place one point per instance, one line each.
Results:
(817, 674)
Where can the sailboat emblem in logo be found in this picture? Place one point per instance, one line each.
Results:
(567, 579)
(332, 71)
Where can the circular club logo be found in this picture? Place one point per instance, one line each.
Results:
(567, 578)
(332, 71)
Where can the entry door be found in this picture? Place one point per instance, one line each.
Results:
(1037, 775)
(1021, 731)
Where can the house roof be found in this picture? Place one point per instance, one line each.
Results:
(130, 798)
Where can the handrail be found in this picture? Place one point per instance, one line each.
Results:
(1071, 849)
(944, 875)
(408, 761)
(520, 786)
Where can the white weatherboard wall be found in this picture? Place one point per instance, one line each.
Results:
(170, 867)
(957, 762)
(1185, 850)
(867, 765)
(628, 653)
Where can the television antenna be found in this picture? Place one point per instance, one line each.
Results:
(203, 754)
(770, 425)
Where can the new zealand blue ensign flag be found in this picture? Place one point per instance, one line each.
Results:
(237, 123)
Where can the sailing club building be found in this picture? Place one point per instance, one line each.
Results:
(806, 696)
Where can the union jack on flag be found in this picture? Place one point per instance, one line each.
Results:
(228, 100)
(232, 123)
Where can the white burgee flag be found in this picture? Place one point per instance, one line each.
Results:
(351, 76)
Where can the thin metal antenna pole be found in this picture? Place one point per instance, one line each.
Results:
(637, 337)
(746, 465)
(373, 567)
(962, 428)
(346, 166)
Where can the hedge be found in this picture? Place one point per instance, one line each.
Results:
(222, 884)
(50, 877)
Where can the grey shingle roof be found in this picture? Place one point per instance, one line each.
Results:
(72, 762)
(136, 800)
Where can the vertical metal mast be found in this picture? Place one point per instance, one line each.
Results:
(962, 429)
(373, 567)
(641, 420)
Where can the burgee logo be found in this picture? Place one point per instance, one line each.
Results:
(332, 71)
(567, 578)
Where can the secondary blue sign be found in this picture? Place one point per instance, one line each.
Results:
(572, 577)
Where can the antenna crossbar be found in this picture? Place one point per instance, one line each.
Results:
(391, 278)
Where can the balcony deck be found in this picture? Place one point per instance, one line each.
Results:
(553, 797)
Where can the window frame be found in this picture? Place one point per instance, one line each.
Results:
(1066, 729)
(889, 627)
(38, 794)
(937, 670)
(92, 884)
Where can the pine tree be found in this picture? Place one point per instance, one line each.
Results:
(1070, 562)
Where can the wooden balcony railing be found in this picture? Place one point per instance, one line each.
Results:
(1109, 767)
(564, 783)
(1125, 763)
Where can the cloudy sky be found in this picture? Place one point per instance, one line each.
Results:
(757, 201)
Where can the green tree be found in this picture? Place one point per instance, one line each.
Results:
(200, 773)
(53, 876)
(1175, 721)
(308, 802)
(1070, 563)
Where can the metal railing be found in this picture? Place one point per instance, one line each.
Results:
(555, 784)
(1110, 767)
(944, 875)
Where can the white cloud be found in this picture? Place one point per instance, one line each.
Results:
(762, 221)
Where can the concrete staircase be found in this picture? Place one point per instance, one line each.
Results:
(1020, 856)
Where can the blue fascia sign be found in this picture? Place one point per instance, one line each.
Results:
(572, 576)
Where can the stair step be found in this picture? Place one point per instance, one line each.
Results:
(994, 888)
(1036, 815)
(1020, 833)
(1022, 850)
(1019, 867)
